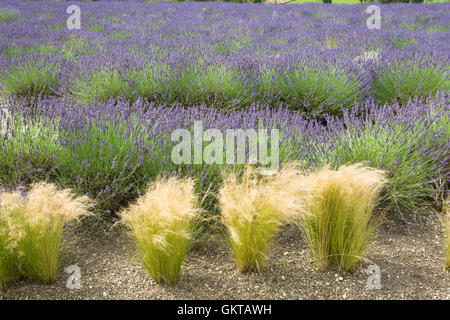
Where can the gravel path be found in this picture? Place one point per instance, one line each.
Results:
(410, 257)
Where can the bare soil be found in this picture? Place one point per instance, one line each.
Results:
(410, 256)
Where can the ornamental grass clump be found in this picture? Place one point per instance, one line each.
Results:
(31, 227)
(9, 271)
(254, 208)
(162, 222)
(339, 224)
(8, 262)
(42, 214)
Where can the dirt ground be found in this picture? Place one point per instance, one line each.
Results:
(410, 257)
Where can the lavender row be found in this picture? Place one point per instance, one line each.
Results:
(111, 151)
(313, 58)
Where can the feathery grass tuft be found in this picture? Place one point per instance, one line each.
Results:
(44, 212)
(9, 271)
(161, 223)
(253, 210)
(339, 225)
(35, 222)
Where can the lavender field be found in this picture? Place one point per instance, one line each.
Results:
(94, 109)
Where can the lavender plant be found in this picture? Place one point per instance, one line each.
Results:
(8, 15)
(411, 151)
(31, 79)
(30, 148)
(401, 82)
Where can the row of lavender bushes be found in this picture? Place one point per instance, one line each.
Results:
(111, 151)
(107, 134)
(312, 58)
(314, 88)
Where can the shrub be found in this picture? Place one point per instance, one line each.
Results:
(31, 79)
(75, 47)
(104, 161)
(315, 90)
(101, 85)
(409, 142)
(96, 27)
(253, 209)
(38, 218)
(7, 15)
(30, 148)
(12, 51)
(339, 223)
(161, 223)
(401, 82)
(216, 85)
(152, 81)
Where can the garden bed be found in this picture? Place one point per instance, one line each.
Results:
(98, 110)
(409, 255)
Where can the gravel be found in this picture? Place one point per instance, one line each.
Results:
(409, 255)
